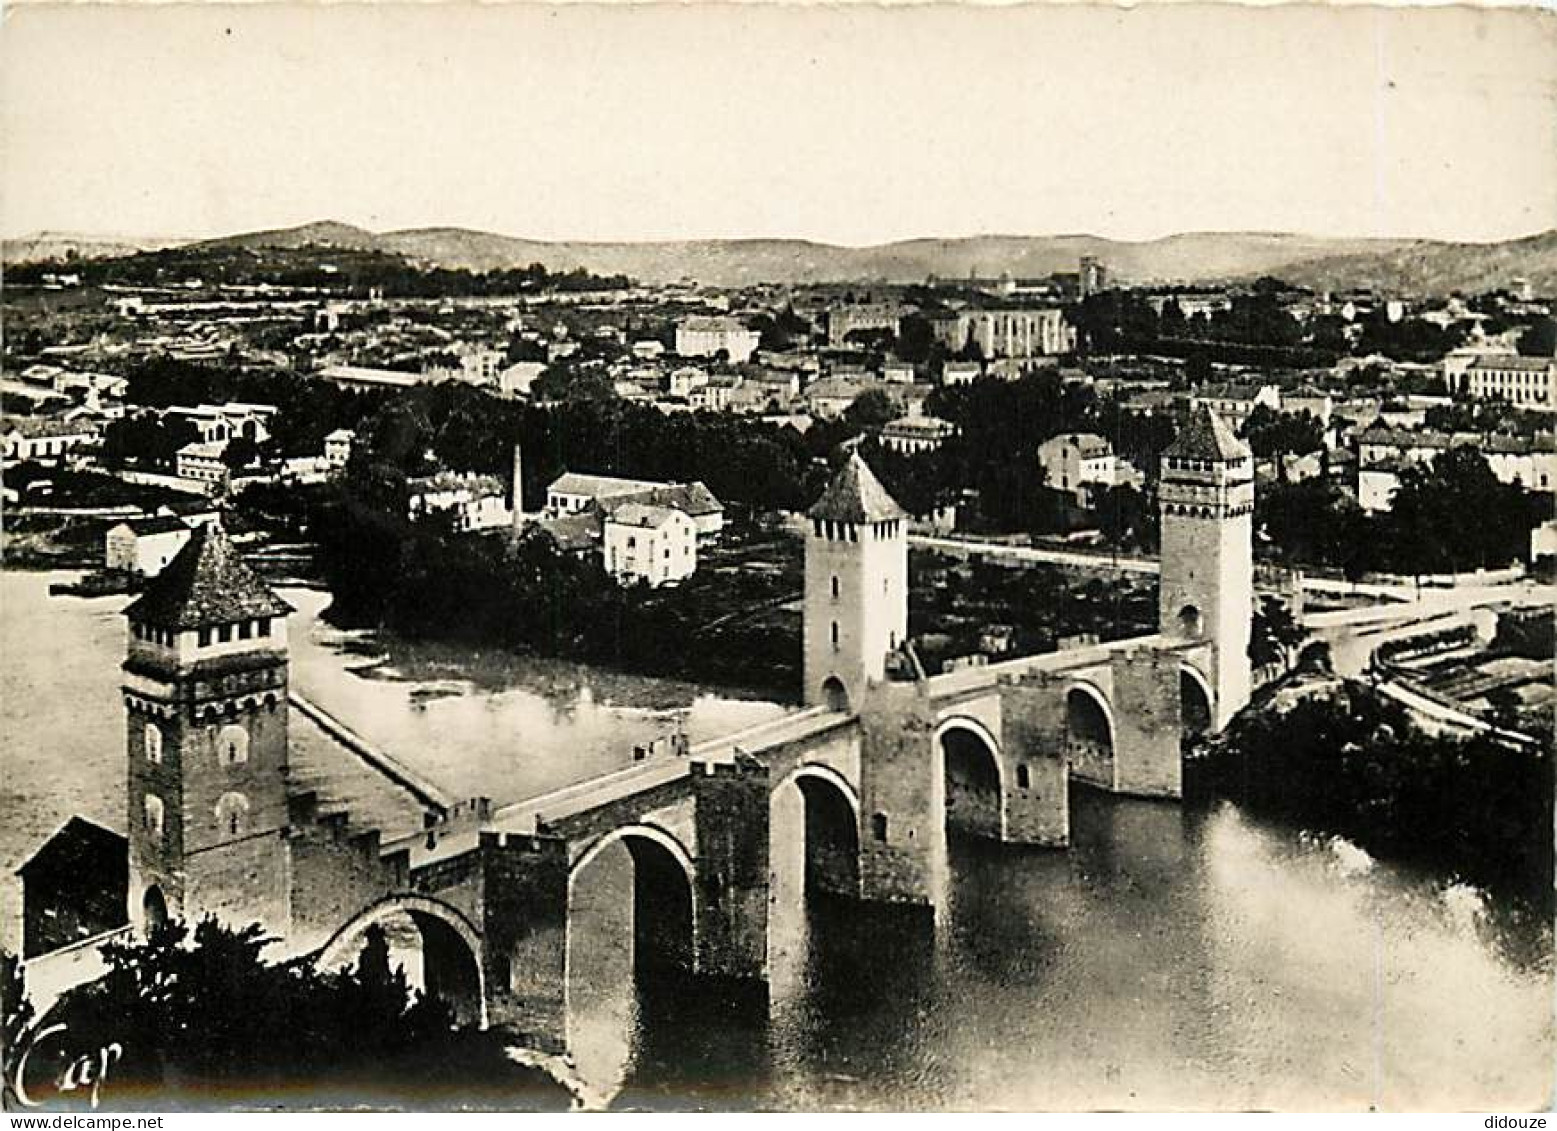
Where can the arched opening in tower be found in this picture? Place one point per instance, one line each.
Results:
(832, 840)
(1089, 737)
(1191, 624)
(972, 776)
(1194, 704)
(154, 908)
(834, 694)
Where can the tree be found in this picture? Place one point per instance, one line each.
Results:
(871, 409)
(1274, 636)
(1275, 435)
(241, 452)
(1539, 339)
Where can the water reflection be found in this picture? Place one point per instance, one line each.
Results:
(1171, 958)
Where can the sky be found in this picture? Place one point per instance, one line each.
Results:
(851, 125)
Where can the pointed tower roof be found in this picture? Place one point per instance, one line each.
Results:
(1207, 437)
(856, 495)
(206, 583)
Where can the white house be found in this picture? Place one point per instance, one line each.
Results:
(1543, 540)
(714, 394)
(960, 372)
(706, 336)
(1072, 459)
(682, 381)
(477, 502)
(518, 377)
(145, 545)
(337, 447)
(642, 543)
(202, 462)
(911, 434)
(42, 437)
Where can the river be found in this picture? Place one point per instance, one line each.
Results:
(1174, 956)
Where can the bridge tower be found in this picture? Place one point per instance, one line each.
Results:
(205, 693)
(1207, 589)
(856, 599)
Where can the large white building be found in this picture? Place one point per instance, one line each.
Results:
(648, 544)
(707, 336)
(1015, 332)
(1524, 382)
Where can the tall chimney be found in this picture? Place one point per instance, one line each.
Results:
(518, 517)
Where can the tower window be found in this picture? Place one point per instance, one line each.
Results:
(153, 742)
(835, 635)
(232, 744)
(1023, 780)
(151, 815)
(232, 813)
(878, 827)
(835, 587)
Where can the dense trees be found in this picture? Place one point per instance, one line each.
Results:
(1353, 764)
(1426, 530)
(200, 1017)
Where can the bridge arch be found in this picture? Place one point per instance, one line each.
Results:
(973, 780)
(451, 949)
(1197, 702)
(664, 879)
(1089, 733)
(831, 850)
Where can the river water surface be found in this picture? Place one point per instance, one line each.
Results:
(1173, 957)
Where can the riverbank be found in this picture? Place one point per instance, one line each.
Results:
(1346, 761)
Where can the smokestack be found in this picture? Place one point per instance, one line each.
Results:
(518, 517)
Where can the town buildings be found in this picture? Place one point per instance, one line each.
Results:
(711, 335)
(337, 447)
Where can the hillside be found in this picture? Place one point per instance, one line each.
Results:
(44, 246)
(1413, 266)
(1423, 267)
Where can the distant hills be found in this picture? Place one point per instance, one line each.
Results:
(1412, 266)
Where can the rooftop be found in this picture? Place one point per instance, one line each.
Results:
(599, 486)
(856, 495)
(206, 583)
(1206, 437)
(642, 514)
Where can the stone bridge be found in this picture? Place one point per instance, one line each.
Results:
(984, 752)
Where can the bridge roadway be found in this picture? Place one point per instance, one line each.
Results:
(527, 815)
